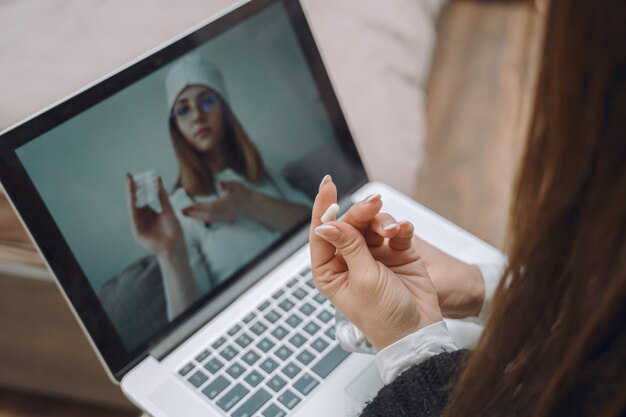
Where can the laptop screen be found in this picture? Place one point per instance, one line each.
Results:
(187, 168)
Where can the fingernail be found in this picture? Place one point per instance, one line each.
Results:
(390, 226)
(328, 232)
(326, 179)
(373, 197)
(404, 222)
(330, 213)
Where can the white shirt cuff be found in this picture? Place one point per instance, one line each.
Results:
(414, 349)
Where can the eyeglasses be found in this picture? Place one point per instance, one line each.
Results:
(205, 105)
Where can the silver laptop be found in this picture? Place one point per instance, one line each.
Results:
(228, 323)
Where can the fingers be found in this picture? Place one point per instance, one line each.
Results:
(164, 198)
(132, 189)
(382, 226)
(350, 243)
(321, 250)
(361, 214)
(209, 212)
(400, 234)
(229, 186)
(403, 240)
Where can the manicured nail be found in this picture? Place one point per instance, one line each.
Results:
(330, 213)
(373, 197)
(390, 226)
(328, 232)
(405, 222)
(326, 179)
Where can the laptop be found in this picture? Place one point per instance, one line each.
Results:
(198, 301)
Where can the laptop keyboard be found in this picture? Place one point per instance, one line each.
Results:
(268, 363)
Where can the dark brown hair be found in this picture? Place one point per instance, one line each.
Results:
(555, 341)
(240, 153)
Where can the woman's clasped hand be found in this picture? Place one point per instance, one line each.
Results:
(376, 271)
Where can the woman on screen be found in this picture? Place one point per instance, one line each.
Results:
(226, 207)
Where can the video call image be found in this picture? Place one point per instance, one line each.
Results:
(171, 186)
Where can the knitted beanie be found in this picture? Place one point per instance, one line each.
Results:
(193, 70)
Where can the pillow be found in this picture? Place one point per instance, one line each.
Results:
(378, 55)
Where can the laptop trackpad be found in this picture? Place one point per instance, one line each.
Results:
(365, 386)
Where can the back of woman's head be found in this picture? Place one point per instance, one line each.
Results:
(555, 342)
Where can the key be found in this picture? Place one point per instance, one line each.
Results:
(330, 332)
(216, 387)
(325, 316)
(280, 332)
(305, 384)
(265, 344)
(254, 378)
(229, 352)
(289, 399)
(235, 370)
(249, 318)
(294, 320)
(297, 340)
(329, 362)
(232, 397)
(319, 298)
(252, 404)
(272, 316)
(305, 357)
(319, 344)
(198, 378)
(299, 294)
(203, 355)
(186, 369)
(258, 328)
(283, 352)
(291, 370)
(233, 330)
(251, 357)
(311, 328)
(307, 309)
(243, 340)
(276, 383)
(218, 343)
(286, 304)
(213, 365)
(273, 411)
(268, 365)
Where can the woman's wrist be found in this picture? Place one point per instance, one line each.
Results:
(172, 250)
(249, 203)
(476, 290)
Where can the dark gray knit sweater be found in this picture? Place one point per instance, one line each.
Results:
(421, 390)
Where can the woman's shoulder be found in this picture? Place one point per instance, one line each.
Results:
(421, 390)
